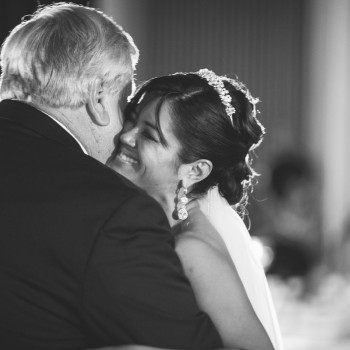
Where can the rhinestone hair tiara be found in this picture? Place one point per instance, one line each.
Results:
(217, 82)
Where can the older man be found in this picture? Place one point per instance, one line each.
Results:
(86, 259)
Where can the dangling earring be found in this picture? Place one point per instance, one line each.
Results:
(181, 202)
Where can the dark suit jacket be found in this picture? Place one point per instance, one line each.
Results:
(86, 258)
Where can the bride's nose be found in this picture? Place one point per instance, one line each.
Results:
(129, 137)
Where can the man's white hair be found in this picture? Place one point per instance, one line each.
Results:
(56, 54)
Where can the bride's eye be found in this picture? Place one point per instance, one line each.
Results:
(148, 136)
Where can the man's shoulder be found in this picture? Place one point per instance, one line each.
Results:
(109, 186)
(106, 179)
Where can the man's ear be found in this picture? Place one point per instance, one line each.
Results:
(97, 104)
(195, 172)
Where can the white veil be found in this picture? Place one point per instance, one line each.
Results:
(239, 244)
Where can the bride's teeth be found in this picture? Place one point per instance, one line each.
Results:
(125, 158)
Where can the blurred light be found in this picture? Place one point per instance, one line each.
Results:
(263, 252)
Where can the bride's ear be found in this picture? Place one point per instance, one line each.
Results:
(97, 103)
(195, 172)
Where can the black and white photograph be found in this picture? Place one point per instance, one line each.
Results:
(174, 175)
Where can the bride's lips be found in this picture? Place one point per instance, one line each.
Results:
(125, 156)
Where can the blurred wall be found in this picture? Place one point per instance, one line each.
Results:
(326, 90)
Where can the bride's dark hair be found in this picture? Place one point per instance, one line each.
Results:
(205, 131)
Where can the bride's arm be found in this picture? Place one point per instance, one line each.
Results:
(219, 293)
(218, 288)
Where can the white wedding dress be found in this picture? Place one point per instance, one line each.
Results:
(239, 245)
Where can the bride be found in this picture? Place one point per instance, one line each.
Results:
(187, 141)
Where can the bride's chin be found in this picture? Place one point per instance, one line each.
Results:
(123, 167)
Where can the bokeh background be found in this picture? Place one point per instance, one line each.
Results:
(294, 55)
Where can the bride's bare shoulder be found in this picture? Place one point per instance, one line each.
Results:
(203, 247)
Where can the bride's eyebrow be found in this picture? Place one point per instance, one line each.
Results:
(158, 131)
(152, 126)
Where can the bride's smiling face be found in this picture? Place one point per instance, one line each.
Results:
(146, 155)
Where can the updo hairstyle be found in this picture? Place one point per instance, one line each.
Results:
(204, 131)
